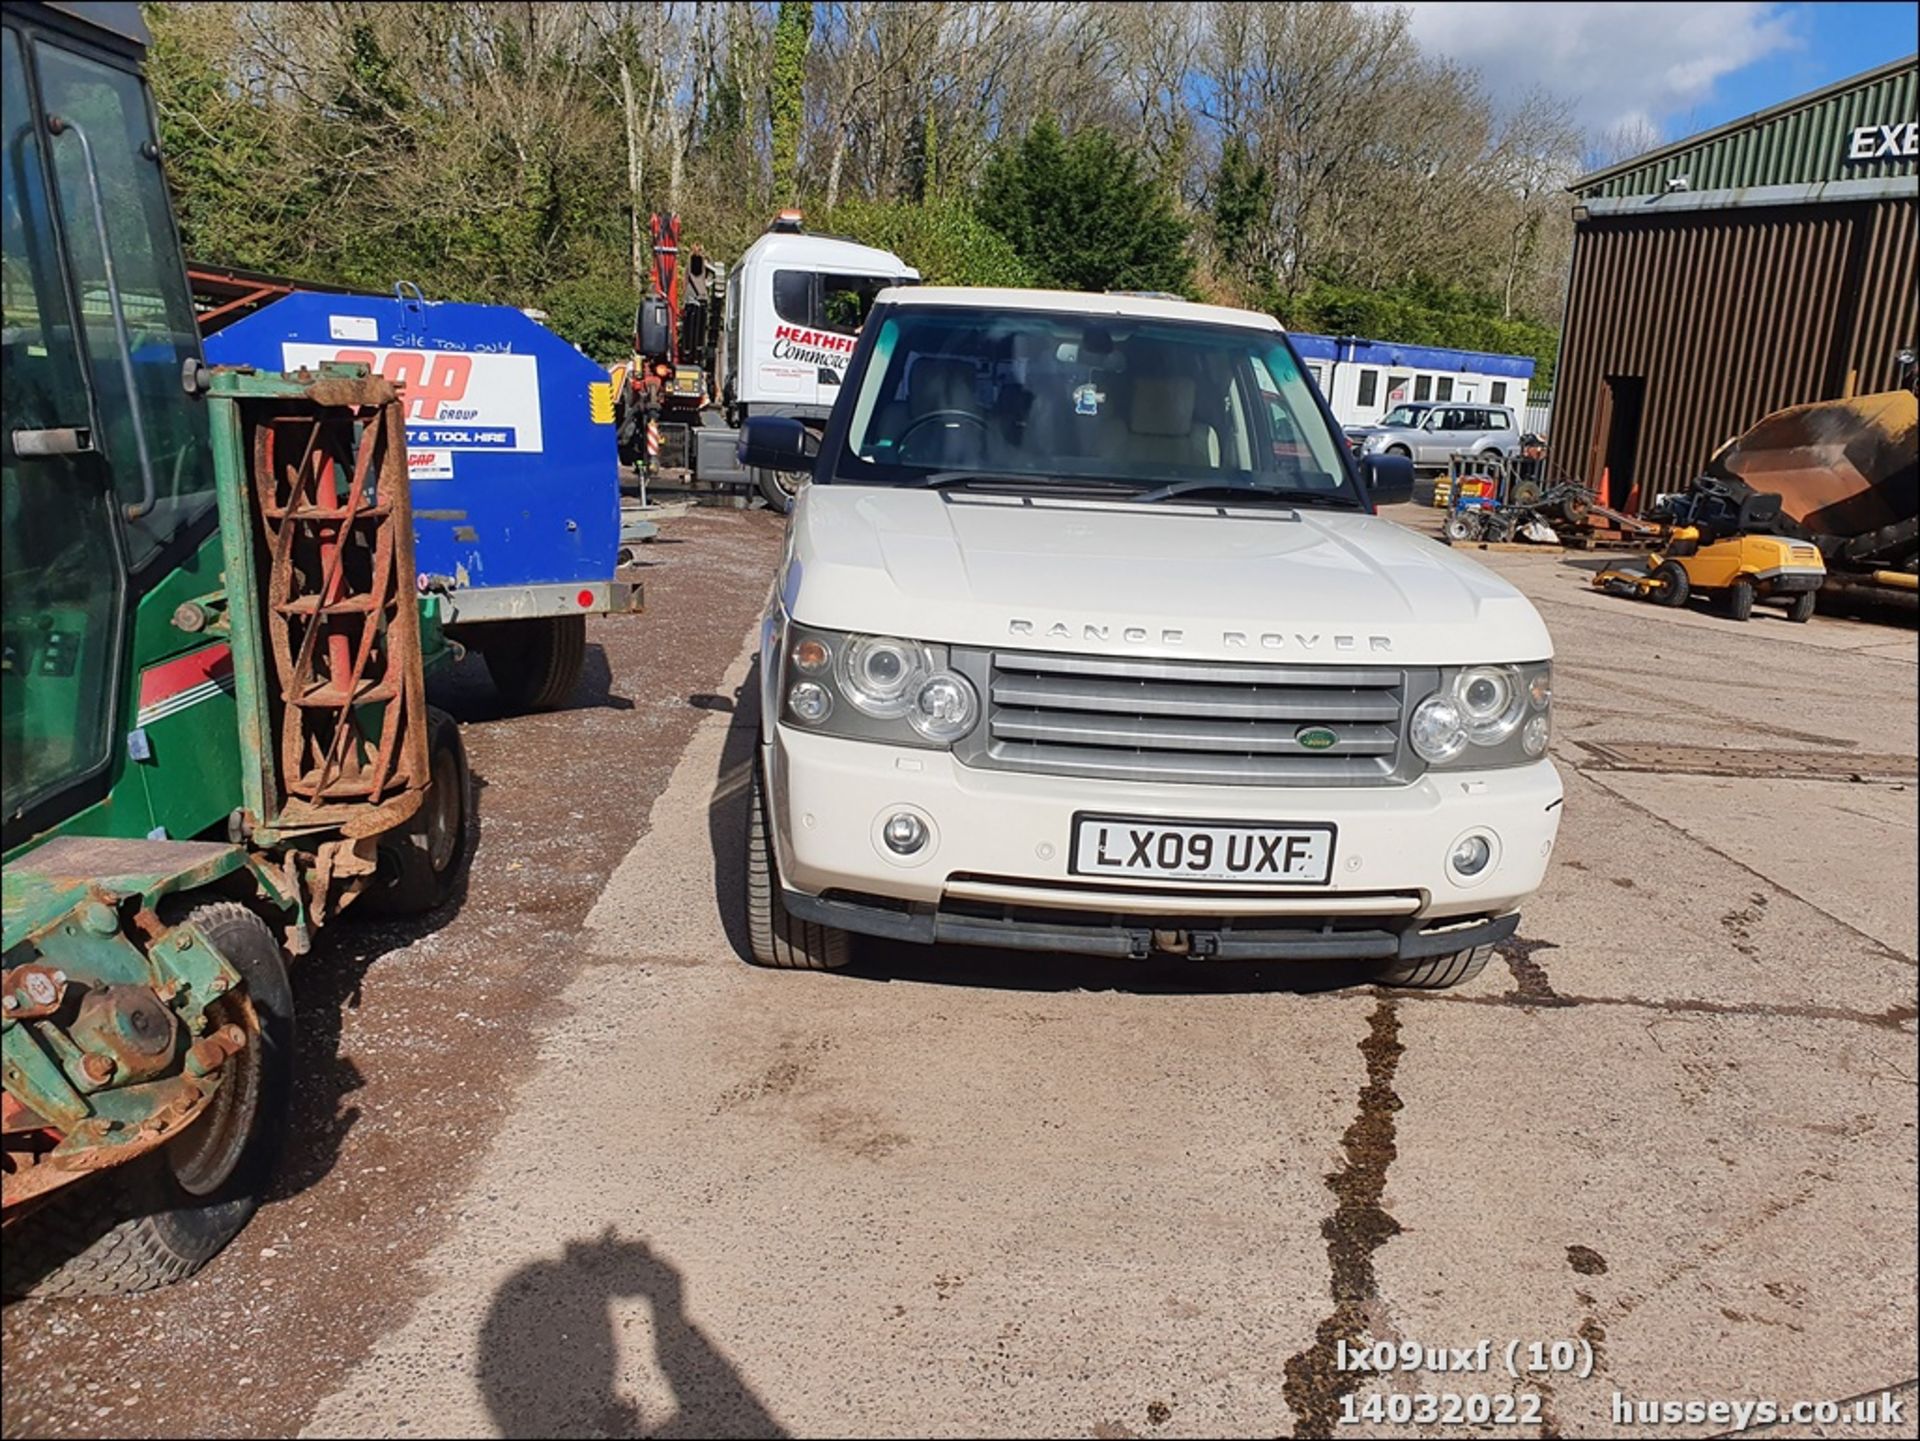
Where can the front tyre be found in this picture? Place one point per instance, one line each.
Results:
(163, 1216)
(1434, 973)
(1800, 608)
(1460, 527)
(1674, 586)
(775, 936)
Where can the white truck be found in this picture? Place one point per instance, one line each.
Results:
(791, 309)
(1088, 639)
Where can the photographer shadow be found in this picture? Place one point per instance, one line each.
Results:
(549, 1362)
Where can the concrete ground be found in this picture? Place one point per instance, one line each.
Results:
(1669, 1139)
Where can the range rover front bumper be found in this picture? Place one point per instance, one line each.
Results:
(995, 869)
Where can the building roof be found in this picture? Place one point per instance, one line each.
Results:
(1076, 302)
(1803, 141)
(1413, 357)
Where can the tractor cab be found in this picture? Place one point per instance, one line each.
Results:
(107, 470)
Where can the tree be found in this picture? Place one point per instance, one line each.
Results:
(1242, 196)
(786, 95)
(1082, 214)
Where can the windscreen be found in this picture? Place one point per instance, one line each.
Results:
(1030, 393)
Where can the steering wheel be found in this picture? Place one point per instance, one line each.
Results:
(918, 422)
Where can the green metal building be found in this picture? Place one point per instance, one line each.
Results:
(1766, 263)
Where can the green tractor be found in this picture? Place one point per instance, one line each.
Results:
(213, 709)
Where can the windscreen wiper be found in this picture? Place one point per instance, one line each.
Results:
(1244, 488)
(939, 479)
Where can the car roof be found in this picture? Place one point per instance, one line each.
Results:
(1079, 303)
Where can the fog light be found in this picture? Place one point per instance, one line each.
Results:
(1534, 737)
(1471, 855)
(904, 833)
(810, 702)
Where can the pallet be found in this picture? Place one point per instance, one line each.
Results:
(1513, 547)
(1608, 540)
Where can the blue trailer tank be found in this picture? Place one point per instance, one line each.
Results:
(510, 447)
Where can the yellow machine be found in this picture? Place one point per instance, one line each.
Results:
(1717, 539)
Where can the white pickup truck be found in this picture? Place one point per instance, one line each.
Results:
(1087, 639)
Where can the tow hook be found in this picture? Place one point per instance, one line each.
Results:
(1199, 944)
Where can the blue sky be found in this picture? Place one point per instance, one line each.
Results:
(1678, 68)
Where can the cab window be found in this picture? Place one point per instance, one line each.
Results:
(110, 107)
(60, 571)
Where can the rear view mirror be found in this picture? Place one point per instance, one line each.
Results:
(777, 442)
(1389, 478)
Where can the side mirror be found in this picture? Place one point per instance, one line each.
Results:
(777, 442)
(1389, 478)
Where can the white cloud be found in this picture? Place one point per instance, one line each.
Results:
(1616, 63)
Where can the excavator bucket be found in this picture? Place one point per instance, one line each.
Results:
(1845, 471)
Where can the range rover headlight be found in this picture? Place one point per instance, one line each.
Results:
(945, 707)
(1492, 702)
(1438, 732)
(877, 688)
(1485, 715)
(881, 675)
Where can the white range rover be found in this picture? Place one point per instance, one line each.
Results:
(1087, 639)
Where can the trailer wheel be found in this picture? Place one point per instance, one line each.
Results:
(1674, 585)
(776, 937)
(420, 864)
(1434, 973)
(1800, 608)
(1740, 598)
(535, 664)
(164, 1215)
(778, 488)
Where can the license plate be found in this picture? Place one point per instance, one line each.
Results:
(1288, 853)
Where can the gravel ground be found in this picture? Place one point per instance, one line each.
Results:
(968, 1192)
(415, 1037)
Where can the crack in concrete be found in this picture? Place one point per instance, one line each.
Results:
(1894, 1018)
(1881, 946)
(1358, 1227)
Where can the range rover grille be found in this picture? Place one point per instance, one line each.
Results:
(1189, 721)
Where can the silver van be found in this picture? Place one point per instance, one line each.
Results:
(1429, 433)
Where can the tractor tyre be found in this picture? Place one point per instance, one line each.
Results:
(1434, 973)
(777, 938)
(420, 864)
(535, 664)
(1740, 598)
(1674, 585)
(1800, 608)
(162, 1216)
(1459, 527)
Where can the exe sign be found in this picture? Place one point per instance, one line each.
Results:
(430, 380)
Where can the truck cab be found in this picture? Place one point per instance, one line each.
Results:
(795, 303)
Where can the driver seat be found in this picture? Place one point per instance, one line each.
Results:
(936, 383)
